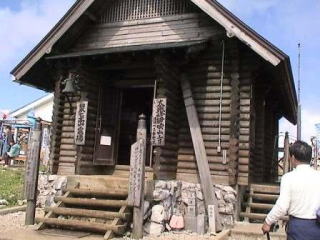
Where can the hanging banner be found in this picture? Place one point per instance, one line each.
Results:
(159, 112)
(81, 123)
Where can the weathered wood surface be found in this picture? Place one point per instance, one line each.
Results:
(165, 163)
(80, 123)
(88, 213)
(32, 172)
(158, 129)
(92, 202)
(199, 148)
(154, 30)
(82, 225)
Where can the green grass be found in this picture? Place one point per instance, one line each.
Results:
(11, 185)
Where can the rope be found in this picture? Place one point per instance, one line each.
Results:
(221, 92)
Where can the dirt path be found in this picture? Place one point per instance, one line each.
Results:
(14, 221)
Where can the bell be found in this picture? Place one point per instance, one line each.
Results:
(70, 86)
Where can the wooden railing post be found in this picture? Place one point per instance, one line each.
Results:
(32, 172)
(286, 163)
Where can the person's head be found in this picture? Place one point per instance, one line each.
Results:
(7, 129)
(300, 153)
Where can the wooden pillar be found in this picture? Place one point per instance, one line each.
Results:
(32, 172)
(234, 121)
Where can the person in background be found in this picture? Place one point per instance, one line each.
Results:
(299, 197)
(8, 139)
(14, 152)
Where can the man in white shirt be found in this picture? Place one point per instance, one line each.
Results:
(299, 197)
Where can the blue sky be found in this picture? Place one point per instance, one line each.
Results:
(285, 23)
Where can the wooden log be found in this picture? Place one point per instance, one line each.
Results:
(191, 158)
(261, 206)
(97, 193)
(81, 225)
(88, 213)
(199, 147)
(193, 165)
(258, 216)
(91, 202)
(260, 196)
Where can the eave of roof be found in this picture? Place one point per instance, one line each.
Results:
(233, 26)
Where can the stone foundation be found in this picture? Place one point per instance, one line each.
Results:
(179, 205)
(49, 186)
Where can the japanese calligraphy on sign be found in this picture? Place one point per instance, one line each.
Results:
(137, 162)
(81, 123)
(159, 121)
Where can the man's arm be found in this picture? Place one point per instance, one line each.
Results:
(281, 207)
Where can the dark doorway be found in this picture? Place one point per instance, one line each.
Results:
(135, 101)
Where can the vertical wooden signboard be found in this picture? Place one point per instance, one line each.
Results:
(159, 112)
(137, 163)
(81, 123)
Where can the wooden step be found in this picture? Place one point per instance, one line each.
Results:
(88, 213)
(91, 202)
(261, 196)
(97, 193)
(258, 216)
(261, 206)
(265, 188)
(82, 225)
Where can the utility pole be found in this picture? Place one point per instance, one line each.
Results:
(299, 99)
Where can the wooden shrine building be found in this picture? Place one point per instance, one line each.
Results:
(124, 54)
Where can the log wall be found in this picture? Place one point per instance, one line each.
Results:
(168, 86)
(56, 129)
(204, 75)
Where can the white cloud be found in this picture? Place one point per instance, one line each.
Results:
(309, 119)
(21, 30)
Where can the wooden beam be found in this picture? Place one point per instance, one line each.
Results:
(239, 31)
(200, 151)
(53, 36)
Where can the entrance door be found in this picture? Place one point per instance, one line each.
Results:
(107, 128)
(135, 101)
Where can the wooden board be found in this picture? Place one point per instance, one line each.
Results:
(199, 148)
(136, 179)
(159, 113)
(80, 123)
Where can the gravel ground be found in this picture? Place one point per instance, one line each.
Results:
(15, 221)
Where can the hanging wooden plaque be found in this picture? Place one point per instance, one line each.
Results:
(136, 180)
(81, 123)
(159, 121)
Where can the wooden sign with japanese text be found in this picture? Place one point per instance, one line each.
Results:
(81, 123)
(159, 121)
(136, 180)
